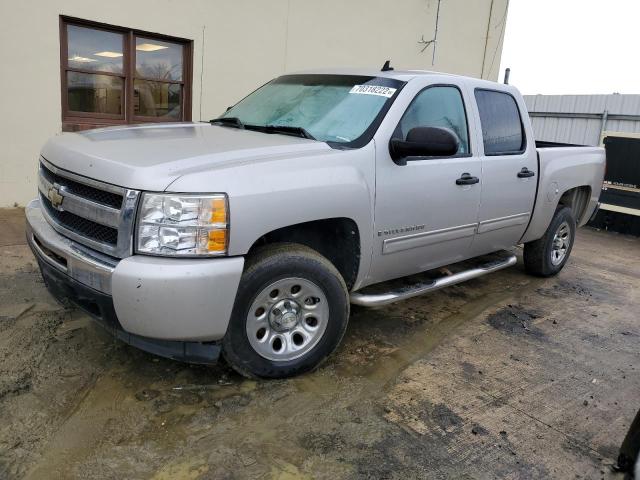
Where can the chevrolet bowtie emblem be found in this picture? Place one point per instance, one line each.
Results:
(54, 196)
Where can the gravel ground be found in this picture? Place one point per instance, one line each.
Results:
(506, 376)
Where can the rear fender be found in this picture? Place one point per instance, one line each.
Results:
(565, 175)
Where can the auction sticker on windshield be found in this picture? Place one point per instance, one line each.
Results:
(373, 90)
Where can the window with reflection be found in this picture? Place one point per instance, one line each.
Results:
(112, 75)
(158, 76)
(438, 106)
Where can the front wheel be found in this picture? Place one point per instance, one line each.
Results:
(290, 313)
(546, 256)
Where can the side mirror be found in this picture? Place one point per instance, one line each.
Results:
(424, 142)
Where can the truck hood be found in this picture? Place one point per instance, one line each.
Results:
(151, 157)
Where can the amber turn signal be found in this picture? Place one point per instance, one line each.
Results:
(217, 241)
(218, 210)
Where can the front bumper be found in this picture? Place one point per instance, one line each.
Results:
(176, 308)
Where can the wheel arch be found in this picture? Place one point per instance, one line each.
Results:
(337, 239)
(577, 199)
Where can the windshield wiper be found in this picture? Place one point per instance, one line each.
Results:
(283, 129)
(228, 121)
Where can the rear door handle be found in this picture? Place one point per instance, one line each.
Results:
(467, 179)
(525, 173)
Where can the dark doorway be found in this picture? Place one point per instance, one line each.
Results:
(620, 197)
(623, 161)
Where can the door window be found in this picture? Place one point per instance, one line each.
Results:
(439, 106)
(501, 125)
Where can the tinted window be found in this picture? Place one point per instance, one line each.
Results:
(438, 107)
(500, 120)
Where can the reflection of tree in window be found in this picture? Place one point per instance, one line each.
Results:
(159, 70)
(156, 99)
(455, 128)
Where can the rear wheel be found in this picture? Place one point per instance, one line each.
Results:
(290, 314)
(546, 256)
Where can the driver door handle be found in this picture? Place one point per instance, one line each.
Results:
(467, 179)
(525, 173)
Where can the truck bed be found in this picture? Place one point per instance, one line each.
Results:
(545, 144)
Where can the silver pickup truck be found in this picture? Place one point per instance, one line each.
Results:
(251, 235)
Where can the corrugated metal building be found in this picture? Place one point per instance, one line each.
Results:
(609, 120)
(583, 119)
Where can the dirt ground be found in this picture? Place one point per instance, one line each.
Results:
(506, 376)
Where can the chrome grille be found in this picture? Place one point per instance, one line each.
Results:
(109, 199)
(93, 230)
(96, 214)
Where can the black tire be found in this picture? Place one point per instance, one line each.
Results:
(274, 263)
(538, 254)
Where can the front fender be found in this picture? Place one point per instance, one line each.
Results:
(269, 195)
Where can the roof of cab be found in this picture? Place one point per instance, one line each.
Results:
(406, 75)
(403, 75)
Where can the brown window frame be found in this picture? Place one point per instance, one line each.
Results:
(72, 120)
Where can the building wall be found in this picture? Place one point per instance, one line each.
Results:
(578, 118)
(238, 45)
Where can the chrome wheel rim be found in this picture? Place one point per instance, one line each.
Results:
(561, 242)
(287, 319)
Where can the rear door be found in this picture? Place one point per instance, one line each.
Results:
(423, 218)
(509, 172)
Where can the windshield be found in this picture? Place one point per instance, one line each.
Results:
(344, 109)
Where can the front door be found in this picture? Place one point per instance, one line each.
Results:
(423, 218)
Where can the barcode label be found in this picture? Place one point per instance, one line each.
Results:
(373, 90)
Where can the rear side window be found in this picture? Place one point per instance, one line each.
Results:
(501, 125)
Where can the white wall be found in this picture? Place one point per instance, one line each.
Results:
(238, 45)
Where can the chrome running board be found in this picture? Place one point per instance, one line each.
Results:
(379, 299)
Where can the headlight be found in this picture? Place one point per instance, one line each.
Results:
(190, 225)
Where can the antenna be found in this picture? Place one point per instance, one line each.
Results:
(507, 72)
(387, 66)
